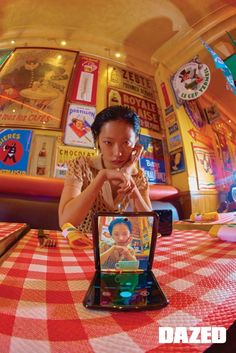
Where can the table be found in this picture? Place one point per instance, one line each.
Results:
(10, 233)
(42, 291)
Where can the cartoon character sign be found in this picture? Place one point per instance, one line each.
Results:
(14, 150)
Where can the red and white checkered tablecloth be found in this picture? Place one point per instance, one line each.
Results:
(7, 229)
(42, 290)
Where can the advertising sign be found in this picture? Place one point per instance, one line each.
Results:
(148, 111)
(152, 160)
(14, 150)
(191, 80)
(131, 81)
(78, 126)
(85, 84)
(33, 87)
(64, 154)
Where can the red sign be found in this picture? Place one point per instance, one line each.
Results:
(165, 94)
(85, 83)
(147, 110)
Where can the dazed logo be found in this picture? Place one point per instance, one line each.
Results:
(206, 334)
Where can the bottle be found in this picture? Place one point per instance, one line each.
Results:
(42, 160)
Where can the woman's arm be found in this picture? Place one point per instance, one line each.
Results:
(106, 254)
(74, 205)
(140, 200)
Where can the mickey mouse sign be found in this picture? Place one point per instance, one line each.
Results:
(191, 80)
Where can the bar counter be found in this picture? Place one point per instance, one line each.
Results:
(42, 290)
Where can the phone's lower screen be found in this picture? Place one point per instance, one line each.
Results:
(125, 291)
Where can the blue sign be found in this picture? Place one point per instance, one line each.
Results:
(14, 150)
(152, 160)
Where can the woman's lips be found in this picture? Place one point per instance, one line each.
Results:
(117, 162)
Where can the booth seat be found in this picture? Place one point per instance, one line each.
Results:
(34, 200)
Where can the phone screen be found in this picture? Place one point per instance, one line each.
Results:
(125, 291)
(125, 242)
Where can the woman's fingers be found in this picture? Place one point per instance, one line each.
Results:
(126, 188)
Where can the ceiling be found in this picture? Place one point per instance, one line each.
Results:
(145, 32)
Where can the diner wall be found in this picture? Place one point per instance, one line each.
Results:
(160, 147)
(204, 182)
(61, 149)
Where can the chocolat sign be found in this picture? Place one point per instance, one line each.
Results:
(147, 110)
(191, 80)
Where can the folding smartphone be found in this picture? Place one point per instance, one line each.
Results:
(124, 246)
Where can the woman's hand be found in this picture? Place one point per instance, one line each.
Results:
(123, 253)
(118, 178)
(134, 157)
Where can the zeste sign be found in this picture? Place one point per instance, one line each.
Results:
(131, 81)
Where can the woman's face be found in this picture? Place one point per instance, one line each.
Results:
(116, 141)
(121, 234)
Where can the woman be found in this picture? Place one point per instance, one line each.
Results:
(110, 181)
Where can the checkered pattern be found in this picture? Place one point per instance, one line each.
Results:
(6, 229)
(9, 234)
(42, 290)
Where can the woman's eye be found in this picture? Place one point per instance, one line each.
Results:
(107, 142)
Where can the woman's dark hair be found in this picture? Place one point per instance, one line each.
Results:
(116, 112)
(120, 221)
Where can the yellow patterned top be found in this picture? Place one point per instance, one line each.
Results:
(82, 171)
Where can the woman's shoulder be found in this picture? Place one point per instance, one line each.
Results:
(82, 162)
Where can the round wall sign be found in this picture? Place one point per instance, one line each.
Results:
(191, 80)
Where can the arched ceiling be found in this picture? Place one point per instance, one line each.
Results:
(145, 32)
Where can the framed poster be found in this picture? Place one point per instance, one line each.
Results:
(212, 113)
(64, 154)
(225, 151)
(131, 81)
(174, 141)
(42, 155)
(177, 161)
(33, 87)
(85, 83)
(195, 113)
(4, 54)
(78, 126)
(152, 160)
(205, 162)
(148, 111)
(14, 150)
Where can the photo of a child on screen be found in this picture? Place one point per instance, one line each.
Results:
(128, 244)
